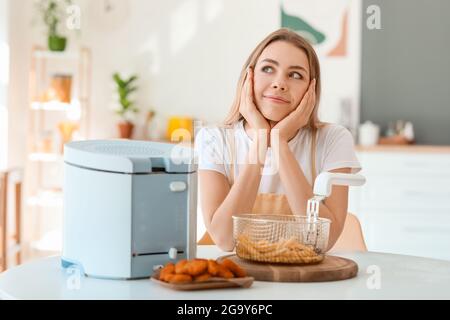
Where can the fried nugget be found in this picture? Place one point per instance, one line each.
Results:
(168, 269)
(180, 278)
(196, 267)
(167, 277)
(180, 267)
(202, 278)
(234, 268)
(225, 273)
(213, 268)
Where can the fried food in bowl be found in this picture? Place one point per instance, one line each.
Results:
(286, 239)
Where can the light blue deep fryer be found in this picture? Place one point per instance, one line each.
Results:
(129, 206)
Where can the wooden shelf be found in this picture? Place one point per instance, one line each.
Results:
(52, 199)
(46, 54)
(45, 157)
(50, 124)
(51, 106)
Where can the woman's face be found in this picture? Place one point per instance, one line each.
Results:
(281, 78)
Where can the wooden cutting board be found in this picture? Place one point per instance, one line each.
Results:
(332, 268)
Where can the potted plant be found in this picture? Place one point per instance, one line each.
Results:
(124, 89)
(53, 13)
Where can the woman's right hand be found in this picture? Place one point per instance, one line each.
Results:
(259, 126)
(248, 108)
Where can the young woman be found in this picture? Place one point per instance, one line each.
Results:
(277, 146)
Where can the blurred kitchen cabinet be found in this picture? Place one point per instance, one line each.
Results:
(59, 85)
(404, 207)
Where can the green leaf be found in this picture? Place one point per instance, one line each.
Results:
(118, 80)
(131, 79)
(123, 93)
(125, 103)
(124, 88)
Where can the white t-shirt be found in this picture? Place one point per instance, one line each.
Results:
(334, 150)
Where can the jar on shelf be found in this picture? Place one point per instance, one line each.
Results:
(60, 88)
(180, 128)
(44, 144)
(66, 130)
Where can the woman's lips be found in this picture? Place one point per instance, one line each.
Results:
(276, 99)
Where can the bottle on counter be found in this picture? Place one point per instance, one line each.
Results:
(369, 134)
(408, 131)
(390, 130)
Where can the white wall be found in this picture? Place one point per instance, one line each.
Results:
(188, 54)
(20, 51)
(4, 80)
(340, 72)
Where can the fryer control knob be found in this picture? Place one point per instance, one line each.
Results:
(173, 253)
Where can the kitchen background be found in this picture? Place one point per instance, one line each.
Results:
(385, 77)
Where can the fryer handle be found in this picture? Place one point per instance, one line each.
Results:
(325, 180)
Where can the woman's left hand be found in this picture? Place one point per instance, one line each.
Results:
(297, 119)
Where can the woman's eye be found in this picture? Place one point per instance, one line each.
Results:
(296, 75)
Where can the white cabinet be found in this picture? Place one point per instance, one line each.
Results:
(404, 207)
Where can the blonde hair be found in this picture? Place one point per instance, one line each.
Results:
(291, 37)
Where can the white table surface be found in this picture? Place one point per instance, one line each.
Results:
(400, 277)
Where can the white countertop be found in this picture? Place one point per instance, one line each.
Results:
(380, 276)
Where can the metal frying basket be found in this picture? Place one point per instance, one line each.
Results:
(280, 238)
